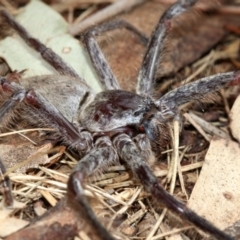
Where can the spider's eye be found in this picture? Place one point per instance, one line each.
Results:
(137, 113)
(142, 111)
(141, 128)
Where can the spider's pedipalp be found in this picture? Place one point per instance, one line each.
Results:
(102, 155)
(144, 145)
(129, 152)
(157, 130)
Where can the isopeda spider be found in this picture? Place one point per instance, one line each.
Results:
(113, 124)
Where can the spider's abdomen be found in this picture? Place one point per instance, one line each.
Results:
(113, 109)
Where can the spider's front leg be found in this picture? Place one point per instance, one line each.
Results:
(195, 91)
(105, 74)
(147, 74)
(101, 155)
(130, 153)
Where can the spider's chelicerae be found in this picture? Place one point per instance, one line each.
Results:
(113, 124)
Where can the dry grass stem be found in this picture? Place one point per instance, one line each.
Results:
(104, 14)
(175, 155)
(47, 195)
(26, 130)
(197, 126)
(199, 123)
(180, 173)
(174, 231)
(156, 226)
(228, 53)
(124, 208)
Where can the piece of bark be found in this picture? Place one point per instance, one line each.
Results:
(215, 195)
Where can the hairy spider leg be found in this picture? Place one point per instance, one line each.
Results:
(194, 91)
(129, 152)
(76, 195)
(47, 54)
(56, 120)
(147, 73)
(102, 154)
(39, 108)
(159, 191)
(105, 74)
(197, 90)
(145, 86)
(6, 186)
(146, 77)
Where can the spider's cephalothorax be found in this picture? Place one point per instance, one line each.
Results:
(116, 111)
(110, 125)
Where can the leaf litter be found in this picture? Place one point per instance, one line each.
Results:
(117, 193)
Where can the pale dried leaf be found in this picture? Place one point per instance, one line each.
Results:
(9, 225)
(215, 195)
(235, 123)
(175, 237)
(55, 36)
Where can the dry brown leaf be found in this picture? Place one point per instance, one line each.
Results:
(215, 195)
(124, 51)
(14, 154)
(59, 223)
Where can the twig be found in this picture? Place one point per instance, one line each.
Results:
(108, 12)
